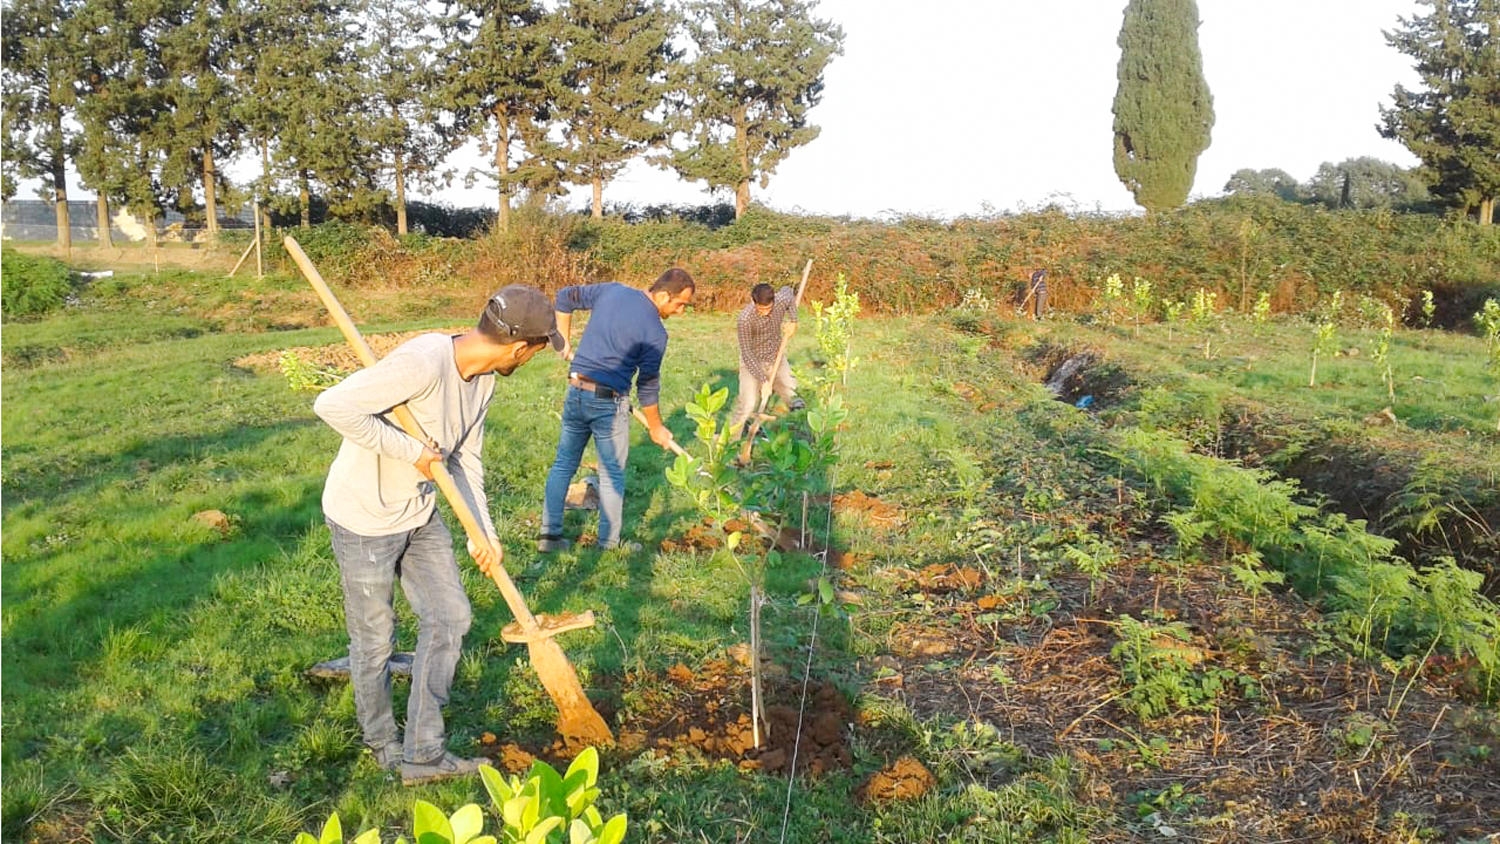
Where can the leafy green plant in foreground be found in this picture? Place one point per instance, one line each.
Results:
(543, 808)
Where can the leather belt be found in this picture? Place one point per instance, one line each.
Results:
(599, 390)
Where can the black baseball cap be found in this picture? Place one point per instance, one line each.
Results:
(522, 312)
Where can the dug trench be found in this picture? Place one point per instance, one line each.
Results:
(1379, 475)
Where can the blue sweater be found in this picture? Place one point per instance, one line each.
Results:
(624, 341)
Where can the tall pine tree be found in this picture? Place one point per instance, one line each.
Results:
(498, 65)
(400, 61)
(1452, 122)
(615, 55)
(41, 77)
(1163, 109)
(745, 96)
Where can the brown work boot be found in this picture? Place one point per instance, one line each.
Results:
(445, 767)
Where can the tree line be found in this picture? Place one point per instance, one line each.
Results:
(1451, 123)
(357, 101)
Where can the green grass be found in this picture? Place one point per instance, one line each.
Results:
(153, 668)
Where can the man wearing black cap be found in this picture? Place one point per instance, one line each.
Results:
(380, 505)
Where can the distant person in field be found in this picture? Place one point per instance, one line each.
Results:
(380, 504)
(760, 327)
(623, 344)
(1038, 294)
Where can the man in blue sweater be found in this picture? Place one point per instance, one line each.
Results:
(624, 342)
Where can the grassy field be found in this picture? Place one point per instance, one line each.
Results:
(1018, 613)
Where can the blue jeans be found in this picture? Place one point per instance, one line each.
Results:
(608, 422)
(423, 561)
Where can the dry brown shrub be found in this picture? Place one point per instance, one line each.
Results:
(534, 251)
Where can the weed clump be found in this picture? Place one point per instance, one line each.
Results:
(31, 286)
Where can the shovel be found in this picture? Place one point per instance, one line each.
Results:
(765, 389)
(578, 721)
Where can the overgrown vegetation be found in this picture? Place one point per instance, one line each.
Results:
(32, 286)
(1298, 257)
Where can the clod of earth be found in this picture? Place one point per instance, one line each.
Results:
(904, 779)
(214, 519)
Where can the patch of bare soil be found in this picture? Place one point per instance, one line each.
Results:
(137, 257)
(335, 356)
(1317, 748)
(706, 712)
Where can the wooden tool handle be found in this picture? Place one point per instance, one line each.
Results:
(671, 444)
(786, 339)
(477, 535)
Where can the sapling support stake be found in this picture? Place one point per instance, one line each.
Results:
(578, 721)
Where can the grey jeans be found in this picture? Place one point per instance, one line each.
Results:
(423, 561)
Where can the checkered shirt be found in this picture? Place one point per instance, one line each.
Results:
(760, 336)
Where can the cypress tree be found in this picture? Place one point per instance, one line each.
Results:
(1163, 109)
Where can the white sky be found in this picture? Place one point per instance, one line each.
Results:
(952, 107)
(938, 107)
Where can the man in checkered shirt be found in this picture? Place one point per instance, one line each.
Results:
(759, 327)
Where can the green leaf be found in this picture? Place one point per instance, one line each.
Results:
(333, 831)
(304, 838)
(549, 786)
(719, 399)
(514, 810)
(677, 473)
(429, 819)
(734, 540)
(586, 763)
(495, 784)
(539, 833)
(825, 590)
(614, 831)
(467, 822)
(372, 836)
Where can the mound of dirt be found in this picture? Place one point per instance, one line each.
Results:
(903, 779)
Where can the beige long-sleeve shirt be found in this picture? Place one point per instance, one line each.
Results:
(373, 486)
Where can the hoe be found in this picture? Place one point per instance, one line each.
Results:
(578, 722)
